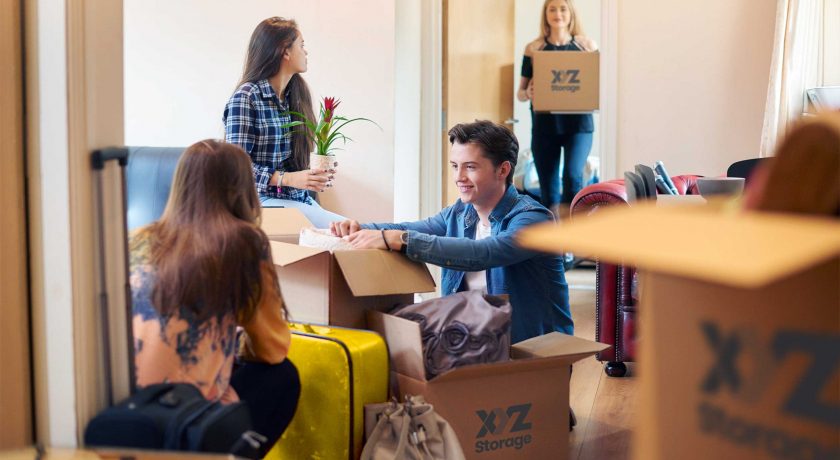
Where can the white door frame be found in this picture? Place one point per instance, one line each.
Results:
(74, 105)
(609, 89)
(417, 150)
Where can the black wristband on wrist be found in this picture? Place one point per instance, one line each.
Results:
(385, 240)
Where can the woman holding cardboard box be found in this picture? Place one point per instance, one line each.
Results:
(551, 134)
(257, 116)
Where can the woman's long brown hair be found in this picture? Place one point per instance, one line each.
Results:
(208, 248)
(269, 43)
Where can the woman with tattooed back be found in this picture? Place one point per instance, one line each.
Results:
(197, 274)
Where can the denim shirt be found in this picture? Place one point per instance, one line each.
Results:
(534, 281)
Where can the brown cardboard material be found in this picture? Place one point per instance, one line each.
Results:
(740, 314)
(566, 81)
(283, 224)
(336, 289)
(679, 200)
(487, 404)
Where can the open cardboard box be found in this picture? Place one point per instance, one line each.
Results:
(740, 327)
(323, 288)
(283, 224)
(513, 409)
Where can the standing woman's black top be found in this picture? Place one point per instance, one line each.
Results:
(548, 123)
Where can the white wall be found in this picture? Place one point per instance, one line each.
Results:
(407, 116)
(183, 60)
(693, 80)
(831, 43)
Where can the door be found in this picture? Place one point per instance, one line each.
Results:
(478, 83)
(15, 386)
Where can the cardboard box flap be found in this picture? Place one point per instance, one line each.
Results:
(378, 272)
(745, 249)
(504, 367)
(283, 221)
(556, 344)
(287, 254)
(405, 345)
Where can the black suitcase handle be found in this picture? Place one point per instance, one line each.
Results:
(99, 157)
(98, 160)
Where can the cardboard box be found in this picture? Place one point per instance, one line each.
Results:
(323, 288)
(283, 224)
(566, 81)
(740, 327)
(513, 409)
(679, 200)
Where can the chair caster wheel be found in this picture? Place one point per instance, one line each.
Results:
(615, 369)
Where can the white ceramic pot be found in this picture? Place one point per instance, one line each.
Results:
(709, 186)
(325, 162)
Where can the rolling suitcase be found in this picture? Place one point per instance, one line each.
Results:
(340, 370)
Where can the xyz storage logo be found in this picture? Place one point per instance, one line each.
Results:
(508, 427)
(745, 367)
(565, 80)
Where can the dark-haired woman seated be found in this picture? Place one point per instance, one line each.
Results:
(271, 86)
(199, 272)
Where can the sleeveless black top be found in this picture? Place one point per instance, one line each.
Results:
(549, 123)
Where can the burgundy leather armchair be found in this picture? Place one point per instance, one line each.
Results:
(616, 300)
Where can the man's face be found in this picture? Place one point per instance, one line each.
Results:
(478, 181)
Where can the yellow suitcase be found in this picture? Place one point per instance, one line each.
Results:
(340, 370)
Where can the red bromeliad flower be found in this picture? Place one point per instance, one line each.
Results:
(330, 104)
(322, 131)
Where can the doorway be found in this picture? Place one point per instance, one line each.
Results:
(478, 48)
(482, 48)
(526, 29)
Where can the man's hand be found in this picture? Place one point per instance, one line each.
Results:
(375, 239)
(367, 239)
(344, 228)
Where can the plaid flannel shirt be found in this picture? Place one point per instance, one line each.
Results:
(252, 119)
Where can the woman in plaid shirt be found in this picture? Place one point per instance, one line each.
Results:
(271, 85)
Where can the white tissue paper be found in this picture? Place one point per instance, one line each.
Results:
(321, 238)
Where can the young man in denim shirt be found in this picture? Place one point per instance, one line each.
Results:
(474, 239)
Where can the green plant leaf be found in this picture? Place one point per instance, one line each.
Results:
(323, 134)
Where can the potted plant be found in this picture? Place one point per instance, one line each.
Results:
(324, 133)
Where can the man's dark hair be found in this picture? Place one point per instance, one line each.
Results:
(496, 141)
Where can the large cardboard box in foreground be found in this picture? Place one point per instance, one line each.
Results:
(323, 288)
(513, 409)
(740, 327)
(566, 81)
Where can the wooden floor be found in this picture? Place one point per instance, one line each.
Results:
(604, 405)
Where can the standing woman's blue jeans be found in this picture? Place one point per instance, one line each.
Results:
(319, 216)
(546, 149)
